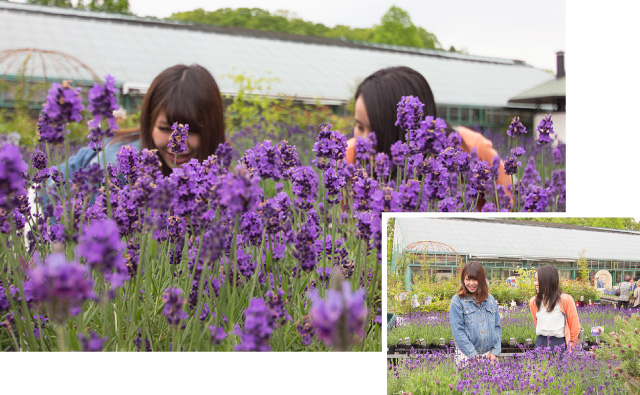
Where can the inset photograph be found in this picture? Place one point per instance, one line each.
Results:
(512, 305)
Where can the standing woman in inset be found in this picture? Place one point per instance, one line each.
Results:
(474, 317)
(554, 313)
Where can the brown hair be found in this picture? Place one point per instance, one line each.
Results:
(187, 95)
(548, 287)
(474, 271)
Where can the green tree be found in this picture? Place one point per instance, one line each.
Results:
(54, 3)
(396, 28)
(609, 223)
(116, 6)
(583, 272)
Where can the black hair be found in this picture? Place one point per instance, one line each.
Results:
(381, 92)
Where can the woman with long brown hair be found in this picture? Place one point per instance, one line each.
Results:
(182, 94)
(554, 313)
(474, 316)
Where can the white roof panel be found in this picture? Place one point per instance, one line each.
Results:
(516, 239)
(137, 49)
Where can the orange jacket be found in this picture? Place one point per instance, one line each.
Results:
(471, 139)
(572, 323)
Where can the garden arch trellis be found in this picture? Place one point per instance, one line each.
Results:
(426, 253)
(27, 74)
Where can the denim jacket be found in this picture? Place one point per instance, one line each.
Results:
(86, 156)
(476, 327)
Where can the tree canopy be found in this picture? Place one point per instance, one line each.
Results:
(395, 27)
(609, 223)
(115, 6)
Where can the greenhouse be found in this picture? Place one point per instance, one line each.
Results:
(505, 245)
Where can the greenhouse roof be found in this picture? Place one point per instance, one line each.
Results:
(134, 50)
(499, 238)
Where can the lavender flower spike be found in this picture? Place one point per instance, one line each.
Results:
(338, 317)
(516, 128)
(545, 129)
(65, 286)
(174, 301)
(178, 140)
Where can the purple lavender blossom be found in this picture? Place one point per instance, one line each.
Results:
(305, 248)
(333, 183)
(251, 229)
(63, 285)
(224, 155)
(330, 146)
(178, 140)
(429, 138)
(275, 213)
(289, 156)
(449, 205)
(39, 159)
(535, 199)
(364, 146)
(511, 165)
(264, 160)
(174, 301)
(338, 317)
(257, 327)
(545, 129)
(410, 112)
(382, 166)
(239, 193)
(399, 151)
(409, 190)
(363, 188)
(12, 176)
(516, 128)
(304, 184)
(276, 303)
(217, 334)
(530, 175)
(102, 103)
(101, 246)
(63, 105)
(305, 329)
(93, 342)
(386, 199)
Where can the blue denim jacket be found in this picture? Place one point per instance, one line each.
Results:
(476, 327)
(86, 156)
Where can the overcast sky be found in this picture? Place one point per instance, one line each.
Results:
(532, 31)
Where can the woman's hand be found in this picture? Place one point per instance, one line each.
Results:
(492, 357)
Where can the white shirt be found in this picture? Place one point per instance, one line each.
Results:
(550, 323)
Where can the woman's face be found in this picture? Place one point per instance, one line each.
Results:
(362, 127)
(161, 134)
(535, 282)
(470, 284)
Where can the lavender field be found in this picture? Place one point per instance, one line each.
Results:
(272, 251)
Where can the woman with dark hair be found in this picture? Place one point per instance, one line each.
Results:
(474, 317)
(376, 103)
(182, 94)
(554, 313)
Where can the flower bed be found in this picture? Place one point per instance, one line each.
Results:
(538, 371)
(516, 323)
